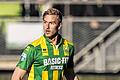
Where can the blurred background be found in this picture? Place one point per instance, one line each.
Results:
(92, 25)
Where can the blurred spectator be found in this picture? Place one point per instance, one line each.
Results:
(30, 10)
(34, 10)
(94, 24)
(116, 10)
(94, 10)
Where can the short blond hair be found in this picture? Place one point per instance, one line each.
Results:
(53, 11)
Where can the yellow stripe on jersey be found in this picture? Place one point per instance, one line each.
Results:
(44, 75)
(41, 41)
(44, 47)
(31, 74)
(56, 50)
(70, 43)
(55, 75)
(36, 42)
(66, 48)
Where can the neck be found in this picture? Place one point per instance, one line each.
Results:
(54, 40)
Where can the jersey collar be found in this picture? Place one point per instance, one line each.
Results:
(49, 42)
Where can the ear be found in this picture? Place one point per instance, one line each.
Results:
(60, 25)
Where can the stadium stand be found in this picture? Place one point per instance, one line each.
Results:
(85, 21)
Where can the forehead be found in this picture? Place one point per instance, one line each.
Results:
(51, 17)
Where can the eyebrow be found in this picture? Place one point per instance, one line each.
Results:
(50, 21)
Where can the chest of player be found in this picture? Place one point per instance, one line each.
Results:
(52, 57)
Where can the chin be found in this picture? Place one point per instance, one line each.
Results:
(47, 35)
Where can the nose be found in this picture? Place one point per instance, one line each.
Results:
(47, 25)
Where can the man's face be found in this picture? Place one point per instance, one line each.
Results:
(51, 25)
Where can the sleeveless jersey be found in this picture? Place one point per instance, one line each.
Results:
(46, 61)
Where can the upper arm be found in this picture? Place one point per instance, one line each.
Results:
(24, 63)
(27, 58)
(18, 74)
(69, 70)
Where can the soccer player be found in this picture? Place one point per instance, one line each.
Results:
(49, 57)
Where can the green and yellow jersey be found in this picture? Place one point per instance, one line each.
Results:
(46, 61)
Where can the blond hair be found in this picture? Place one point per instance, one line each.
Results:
(53, 11)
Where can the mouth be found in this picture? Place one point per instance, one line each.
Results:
(47, 31)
